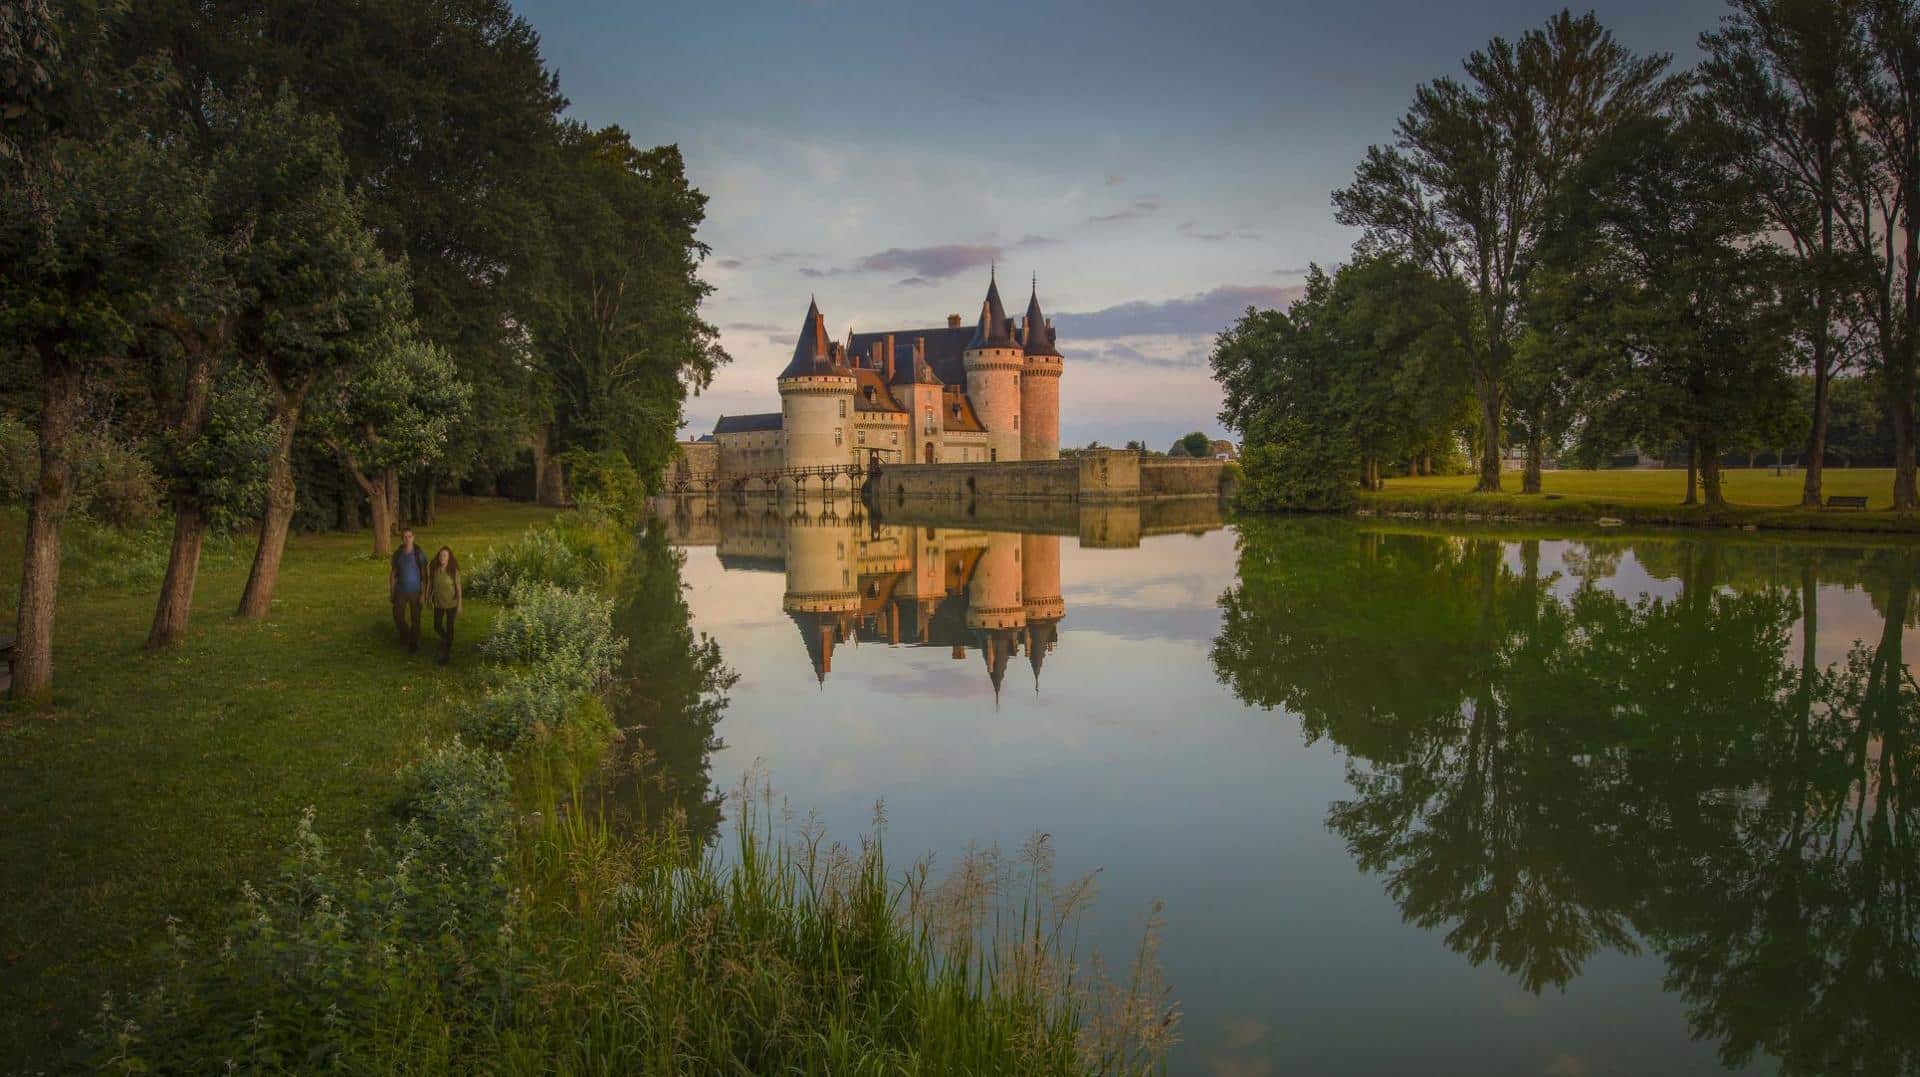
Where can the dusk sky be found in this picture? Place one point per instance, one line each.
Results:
(1159, 166)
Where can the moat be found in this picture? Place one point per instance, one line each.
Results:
(1416, 799)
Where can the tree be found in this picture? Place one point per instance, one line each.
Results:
(321, 293)
(1883, 173)
(392, 415)
(99, 227)
(1667, 276)
(445, 115)
(1196, 444)
(1463, 190)
(616, 330)
(1780, 74)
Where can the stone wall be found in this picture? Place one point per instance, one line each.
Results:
(1180, 478)
(1090, 478)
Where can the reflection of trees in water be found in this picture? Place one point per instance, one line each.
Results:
(673, 688)
(1543, 777)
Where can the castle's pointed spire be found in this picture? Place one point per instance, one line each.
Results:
(813, 348)
(993, 331)
(1039, 337)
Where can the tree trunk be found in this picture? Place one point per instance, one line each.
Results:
(1489, 438)
(382, 520)
(1693, 474)
(171, 612)
(1530, 478)
(40, 565)
(1900, 409)
(1710, 476)
(430, 489)
(390, 483)
(183, 566)
(275, 517)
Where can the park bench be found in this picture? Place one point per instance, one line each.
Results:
(1845, 501)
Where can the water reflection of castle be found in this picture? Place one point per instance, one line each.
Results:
(849, 580)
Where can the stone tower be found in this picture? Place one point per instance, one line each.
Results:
(918, 389)
(994, 610)
(993, 361)
(1039, 385)
(816, 399)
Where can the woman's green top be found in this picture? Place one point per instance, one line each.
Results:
(446, 591)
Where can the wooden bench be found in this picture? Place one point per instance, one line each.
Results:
(1846, 502)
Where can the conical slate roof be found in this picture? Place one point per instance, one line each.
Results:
(1039, 337)
(994, 331)
(813, 353)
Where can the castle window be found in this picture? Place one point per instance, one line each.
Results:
(1016, 422)
(861, 437)
(956, 411)
(896, 437)
(836, 435)
(869, 394)
(992, 455)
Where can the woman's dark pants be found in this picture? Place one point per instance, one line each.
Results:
(443, 627)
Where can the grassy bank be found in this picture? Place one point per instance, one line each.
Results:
(491, 917)
(1756, 497)
(153, 784)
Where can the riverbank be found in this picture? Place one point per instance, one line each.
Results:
(1758, 498)
(483, 910)
(154, 783)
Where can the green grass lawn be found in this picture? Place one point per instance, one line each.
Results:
(1758, 497)
(153, 785)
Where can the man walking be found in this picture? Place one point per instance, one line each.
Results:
(404, 579)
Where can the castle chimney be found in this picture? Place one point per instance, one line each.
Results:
(919, 353)
(886, 361)
(953, 321)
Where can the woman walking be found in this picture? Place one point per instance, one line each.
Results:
(443, 590)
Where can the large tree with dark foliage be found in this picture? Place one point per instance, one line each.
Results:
(616, 334)
(1463, 190)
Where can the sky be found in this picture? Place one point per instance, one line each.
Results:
(1158, 167)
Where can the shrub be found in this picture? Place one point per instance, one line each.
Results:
(524, 705)
(567, 632)
(540, 555)
(607, 480)
(370, 972)
(1301, 471)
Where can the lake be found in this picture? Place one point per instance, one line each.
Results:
(1416, 798)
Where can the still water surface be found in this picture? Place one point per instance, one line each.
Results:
(1416, 800)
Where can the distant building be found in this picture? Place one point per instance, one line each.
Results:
(944, 394)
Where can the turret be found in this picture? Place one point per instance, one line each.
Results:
(993, 362)
(994, 610)
(1040, 370)
(816, 398)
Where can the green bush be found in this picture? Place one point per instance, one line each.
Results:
(540, 555)
(582, 549)
(373, 971)
(607, 480)
(526, 704)
(565, 631)
(1308, 472)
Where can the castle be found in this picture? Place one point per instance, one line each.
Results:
(948, 394)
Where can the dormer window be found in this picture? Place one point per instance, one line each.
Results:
(869, 394)
(956, 411)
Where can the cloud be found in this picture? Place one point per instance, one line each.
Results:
(1115, 179)
(1205, 313)
(1192, 231)
(731, 263)
(1032, 241)
(914, 282)
(937, 262)
(1142, 206)
(1107, 353)
(751, 327)
(1293, 271)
